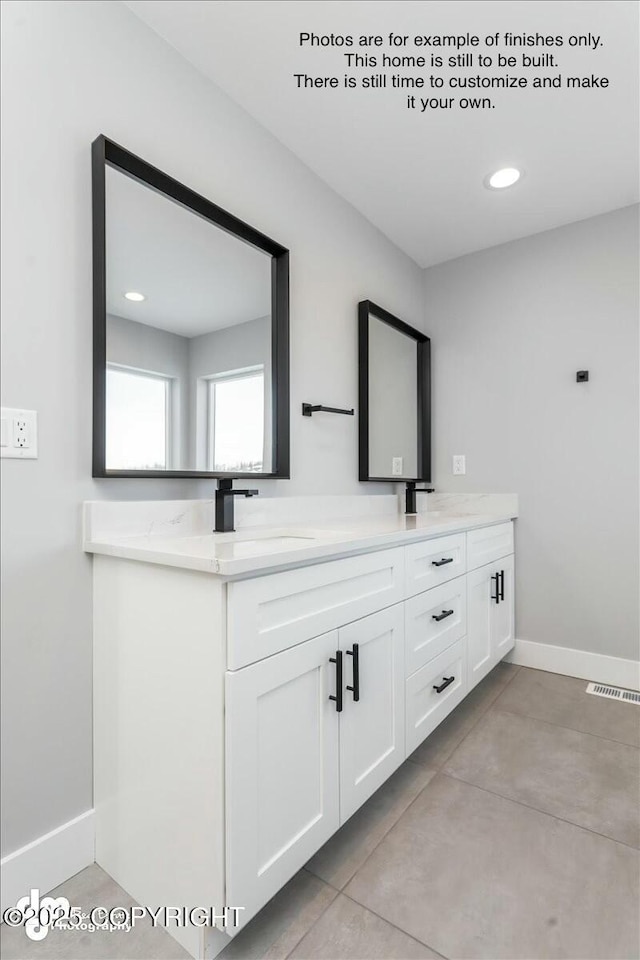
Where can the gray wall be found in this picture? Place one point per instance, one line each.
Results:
(59, 58)
(243, 345)
(510, 328)
(140, 345)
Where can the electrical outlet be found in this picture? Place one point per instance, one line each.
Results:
(396, 466)
(20, 433)
(459, 464)
(19, 437)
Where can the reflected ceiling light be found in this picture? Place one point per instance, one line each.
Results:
(506, 177)
(135, 296)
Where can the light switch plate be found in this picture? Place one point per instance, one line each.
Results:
(396, 466)
(459, 464)
(19, 438)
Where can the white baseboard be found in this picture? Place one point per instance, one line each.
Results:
(49, 860)
(577, 663)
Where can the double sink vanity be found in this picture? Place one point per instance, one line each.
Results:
(253, 689)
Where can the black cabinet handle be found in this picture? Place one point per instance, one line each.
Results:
(441, 563)
(496, 577)
(355, 653)
(502, 584)
(338, 697)
(443, 686)
(441, 616)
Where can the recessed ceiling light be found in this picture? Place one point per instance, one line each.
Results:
(506, 177)
(135, 296)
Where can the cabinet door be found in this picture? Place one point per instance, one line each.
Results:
(502, 614)
(481, 591)
(372, 726)
(282, 795)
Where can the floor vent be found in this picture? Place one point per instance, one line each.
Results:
(613, 693)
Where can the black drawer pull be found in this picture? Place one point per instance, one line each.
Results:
(441, 616)
(355, 653)
(441, 563)
(496, 577)
(338, 697)
(443, 686)
(502, 584)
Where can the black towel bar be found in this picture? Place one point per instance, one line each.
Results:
(308, 409)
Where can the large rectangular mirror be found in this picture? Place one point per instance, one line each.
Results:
(395, 405)
(191, 331)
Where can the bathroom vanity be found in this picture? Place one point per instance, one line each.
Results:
(252, 690)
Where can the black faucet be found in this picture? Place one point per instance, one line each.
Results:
(410, 496)
(224, 504)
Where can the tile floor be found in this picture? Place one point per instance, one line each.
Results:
(512, 832)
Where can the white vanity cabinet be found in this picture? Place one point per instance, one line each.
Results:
(490, 600)
(372, 727)
(282, 768)
(312, 732)
(238, 723)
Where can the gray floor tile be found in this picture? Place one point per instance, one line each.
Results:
(337, 861)
(439, 746)
(282, 923)
(587, 780)
(90, 888)
(349, 932)
(563, 700)
(475, 875)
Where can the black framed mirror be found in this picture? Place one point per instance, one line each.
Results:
(191, 331)
(394, 396)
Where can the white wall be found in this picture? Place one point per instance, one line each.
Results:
(510, 327)
(70, 72)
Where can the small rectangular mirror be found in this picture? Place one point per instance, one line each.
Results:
(191, 363)
(395, 406)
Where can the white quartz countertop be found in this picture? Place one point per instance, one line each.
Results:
(265, 548)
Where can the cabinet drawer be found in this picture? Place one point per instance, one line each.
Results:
(425, 707)
(488, 544)
(433, 621)
(434, 561)
(271, 613)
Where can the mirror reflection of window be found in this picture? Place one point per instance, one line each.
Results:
(235, 417)
(189, 300)
(138, 420)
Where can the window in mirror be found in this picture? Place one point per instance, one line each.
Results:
(236, 422)
(186, 289)
(138, 419)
